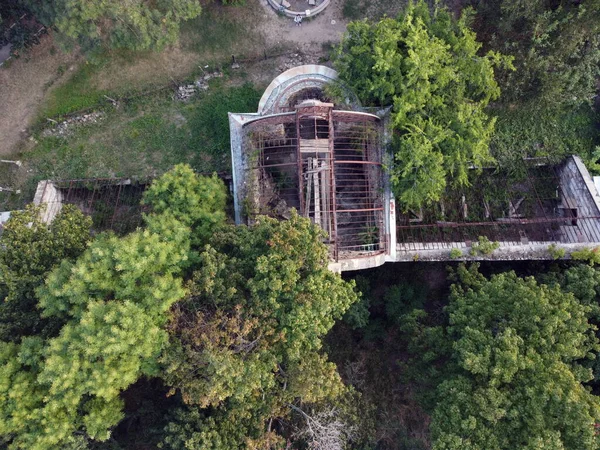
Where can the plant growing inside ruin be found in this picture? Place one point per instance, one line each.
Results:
(483, 247)
(556, 252)
(591, 255)
(455, 253)
(429, 68)
(369, 235)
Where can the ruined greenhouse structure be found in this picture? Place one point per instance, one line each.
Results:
(326, 159)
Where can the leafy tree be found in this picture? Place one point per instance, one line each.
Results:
(197, 202)
(29, 249)
(114, 297)
(556, 44)
(246, 341)
(516, 377)
(137, 24)
(426, 65)
(240, 340)
(114, 301)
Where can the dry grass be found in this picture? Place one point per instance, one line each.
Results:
(123, 73)
(24, 82)
(213, 37)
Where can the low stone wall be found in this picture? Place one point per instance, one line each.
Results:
(290, 13)
(48, 196)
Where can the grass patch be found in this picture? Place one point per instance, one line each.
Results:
(373, 10)
(208, 121)
(527, 132)
(216, 32)
(211, 38)
(76, 94)
(354, 9)
(146, 138)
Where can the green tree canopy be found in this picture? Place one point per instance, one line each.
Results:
(114, 302)
(517, 348)
(114, 297)
(246, 341)
(197, 202)
(234, 326)
(556, 45)
(134, 24)
(29, 249)
(427, 66)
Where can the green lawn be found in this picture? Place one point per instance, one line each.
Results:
(144, 138)
(525, 132)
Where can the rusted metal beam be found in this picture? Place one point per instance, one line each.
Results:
(332, 182)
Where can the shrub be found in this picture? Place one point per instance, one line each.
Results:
(556, 252)
(483, 247)
(591, 255)
(455, 253)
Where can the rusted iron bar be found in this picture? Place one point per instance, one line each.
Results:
(508, 222)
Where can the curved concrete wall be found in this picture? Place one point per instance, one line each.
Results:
(291, 13)
(308, 71)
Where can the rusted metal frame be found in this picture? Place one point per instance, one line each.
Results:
(537, 196)
(299, 166)
(266, 166)
(361, 246)
(367, 175)
(341, 116)
(332, 186)
(280, 146)
(374, 163)
(91, 201)
(112, 220)
(69, 191)
(508, 222)
(359, 210)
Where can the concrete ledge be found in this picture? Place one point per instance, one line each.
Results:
(368, 262)
(534, 251)
(290, 13)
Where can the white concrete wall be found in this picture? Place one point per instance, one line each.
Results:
(50, 197)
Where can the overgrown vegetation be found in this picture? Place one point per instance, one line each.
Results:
(556, 48)
(483, 246)
(524, 131)
(144, 138)
(513, 356)
(136, 24)
(222, 314)
(427, 65)
(192, 333)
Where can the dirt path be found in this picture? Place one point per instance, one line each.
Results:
(25, 81)
(325, 28)
(23, 85)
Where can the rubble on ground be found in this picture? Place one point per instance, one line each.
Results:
(66, 127)
(183, 93)
(297, 59)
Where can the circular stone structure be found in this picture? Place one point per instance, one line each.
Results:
(284, 7)
(295, 85)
